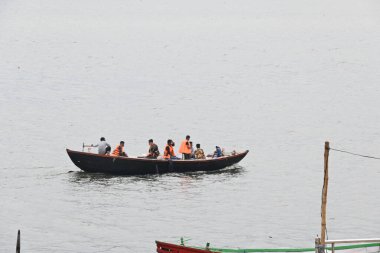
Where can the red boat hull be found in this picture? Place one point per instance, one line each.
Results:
(163, 247)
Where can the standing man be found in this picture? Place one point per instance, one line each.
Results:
(103, 147)
(153, 150)
(185, 148)
(119, 150)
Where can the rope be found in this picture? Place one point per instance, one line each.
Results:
(356, 154)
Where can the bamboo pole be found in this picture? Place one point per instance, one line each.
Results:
(324, 193)
(18, 244)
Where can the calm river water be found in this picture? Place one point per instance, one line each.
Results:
(277, 77)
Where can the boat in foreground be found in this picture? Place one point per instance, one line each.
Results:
(164, 247)
(351, 245)
(90, 162)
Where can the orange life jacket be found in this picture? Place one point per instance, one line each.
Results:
(184, 149)
(168, 155)
(118, 151)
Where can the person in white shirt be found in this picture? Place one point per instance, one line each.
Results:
(103, 147)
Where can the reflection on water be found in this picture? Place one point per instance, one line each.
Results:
(81, 177)
(232, 171)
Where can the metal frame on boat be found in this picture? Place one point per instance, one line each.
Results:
(352, 241)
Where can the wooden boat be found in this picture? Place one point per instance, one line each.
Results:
(90, 162)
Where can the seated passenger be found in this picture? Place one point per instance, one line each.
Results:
(169, 151)
(166, 153)
(153, 150)
(119, 150)
(198, 153)
(217, 152)
(192, 150)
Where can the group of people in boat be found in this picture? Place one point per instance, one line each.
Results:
(186, 149)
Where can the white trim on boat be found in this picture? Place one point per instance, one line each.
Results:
(353, 240)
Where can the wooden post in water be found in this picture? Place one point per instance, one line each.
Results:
(18, 244)
(324, 194)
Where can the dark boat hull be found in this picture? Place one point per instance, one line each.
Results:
(137, 166)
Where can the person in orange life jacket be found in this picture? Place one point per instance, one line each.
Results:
(185, 148)
(166, 153)
(169, 150)
(119, 150)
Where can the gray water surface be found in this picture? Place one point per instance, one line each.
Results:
(275, 77)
